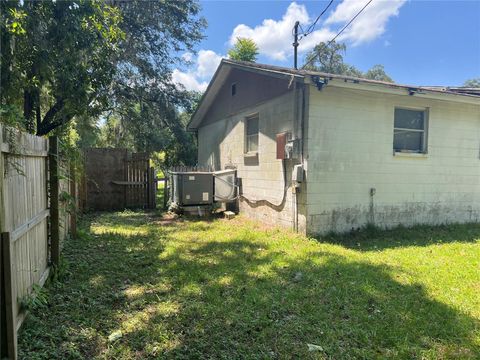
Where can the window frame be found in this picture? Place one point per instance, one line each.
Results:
(246, 136)
(424, 131)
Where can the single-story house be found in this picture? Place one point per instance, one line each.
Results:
(320, 152)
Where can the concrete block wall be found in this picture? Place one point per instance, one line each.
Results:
(350, 152)
(221, 143)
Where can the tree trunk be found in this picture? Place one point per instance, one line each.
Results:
(28, 106)
(38, 114)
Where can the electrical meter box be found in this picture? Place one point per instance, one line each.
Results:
(287, 147)
(192, 188)
(282, 139)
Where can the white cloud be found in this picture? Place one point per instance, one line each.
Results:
(207, 63)
(369, 24)
(197, 78)
(274, 37)
(188, 80)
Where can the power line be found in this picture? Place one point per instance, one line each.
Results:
(312, 26)
(304, 33)
(368, 3)
(341, 31)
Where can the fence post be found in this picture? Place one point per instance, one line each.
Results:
(3, 326)
(153, 185)
(10, 298)
(165, 191)
(151, 188)
(73, 194)
(3, 319)
(54, 213)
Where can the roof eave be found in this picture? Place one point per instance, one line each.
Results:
(224, 68)
(392, 88)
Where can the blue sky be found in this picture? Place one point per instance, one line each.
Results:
(418, 42)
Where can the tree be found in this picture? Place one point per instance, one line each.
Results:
(377, 72)
(244, 50)
(66, 60)
(472, 83)
(147, 105)
(329, 59)
(57, 56)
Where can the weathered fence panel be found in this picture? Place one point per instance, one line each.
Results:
(103, 168)
(116, 179)
(65, 210)
(66, 202)
(23, 224)
(34, 221)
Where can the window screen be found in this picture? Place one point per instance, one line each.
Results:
(251, 134)
(409, 131)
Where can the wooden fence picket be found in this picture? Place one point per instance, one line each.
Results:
(9, 297)
(28, 224)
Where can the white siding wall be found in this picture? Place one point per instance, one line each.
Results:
(222, 143)
(350, 140)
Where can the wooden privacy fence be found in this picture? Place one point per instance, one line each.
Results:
(116, 179)
(31, 215)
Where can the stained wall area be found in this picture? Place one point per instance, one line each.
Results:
(267, 190)
(355, 178)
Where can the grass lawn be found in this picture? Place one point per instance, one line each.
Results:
(140, 286)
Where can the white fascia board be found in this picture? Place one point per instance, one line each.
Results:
(404, 90)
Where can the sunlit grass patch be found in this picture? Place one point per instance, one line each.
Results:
(240, 290)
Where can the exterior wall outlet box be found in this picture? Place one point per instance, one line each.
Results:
(297, 173)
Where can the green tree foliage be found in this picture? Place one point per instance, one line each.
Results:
(144, 132)
(56, 58)
(472, 83)
(244, 50)
(329, 59)
(147, 112)
(377, 72)
(80, 62)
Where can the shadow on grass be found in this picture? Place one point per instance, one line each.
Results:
(234, 299)
(422, 235)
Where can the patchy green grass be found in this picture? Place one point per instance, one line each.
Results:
(140, 286)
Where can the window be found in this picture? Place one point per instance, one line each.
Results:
(234, 89)
(409, 134)
(251, 134)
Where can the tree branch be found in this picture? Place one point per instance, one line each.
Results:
(48, 123)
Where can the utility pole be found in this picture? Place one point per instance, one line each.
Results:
(295, 44)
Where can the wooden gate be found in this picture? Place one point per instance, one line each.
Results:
(116, 179)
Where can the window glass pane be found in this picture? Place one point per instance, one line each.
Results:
(408, 140)
(409, 119)
(252, 143)
(252, 125)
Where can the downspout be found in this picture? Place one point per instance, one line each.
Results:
(302, 141)
(294, 135)
(196, 143)
(299, 124)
